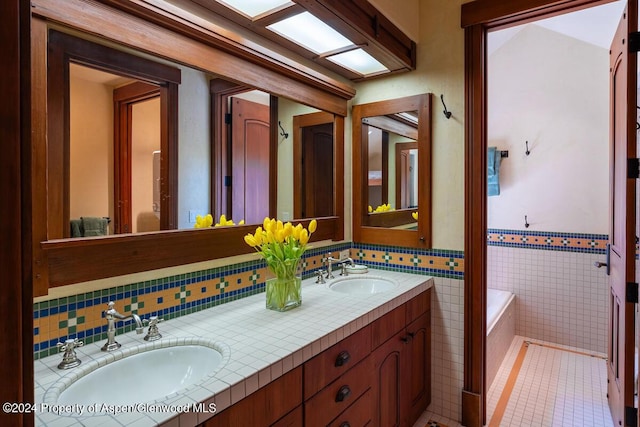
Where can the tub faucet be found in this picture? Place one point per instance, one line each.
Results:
(112, 317)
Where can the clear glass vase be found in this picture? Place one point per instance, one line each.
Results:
(284, 293)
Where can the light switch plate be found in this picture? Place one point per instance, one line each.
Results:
(344, 254)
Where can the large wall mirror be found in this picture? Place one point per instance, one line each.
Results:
(137, 146)
(392, 171)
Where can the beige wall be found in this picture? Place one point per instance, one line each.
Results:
(440, 70)
(91, 156)
(563, 185)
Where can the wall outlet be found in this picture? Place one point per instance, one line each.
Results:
(344, 254)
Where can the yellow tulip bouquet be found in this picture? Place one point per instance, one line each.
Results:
(282, 245)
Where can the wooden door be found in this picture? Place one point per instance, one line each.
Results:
(124, 98)
(317, 170)
(250, 161)
(621, 340)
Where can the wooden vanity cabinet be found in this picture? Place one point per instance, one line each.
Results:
(273, 405)
(402, 363)
(378, 376)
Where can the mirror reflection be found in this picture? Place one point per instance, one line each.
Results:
(98, 204)
(392, 169)
(274, 156)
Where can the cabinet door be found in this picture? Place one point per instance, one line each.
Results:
(390, 370)
(419, 361)
(265, 406)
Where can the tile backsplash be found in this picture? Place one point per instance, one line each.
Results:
(81, 316)
(561, 296)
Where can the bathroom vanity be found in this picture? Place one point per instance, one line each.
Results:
(339, 359)
(380, 374)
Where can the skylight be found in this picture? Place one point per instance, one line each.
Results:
(359, 61)
(311, 33)
(256, 8)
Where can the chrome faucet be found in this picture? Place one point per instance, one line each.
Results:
(343, 264)
(330, 260)
(112, 317)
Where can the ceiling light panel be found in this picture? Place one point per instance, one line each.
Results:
(311, 33)
(359, 61)
(254, 8)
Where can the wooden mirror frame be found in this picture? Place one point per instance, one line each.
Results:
(67, 261)
(384, 236)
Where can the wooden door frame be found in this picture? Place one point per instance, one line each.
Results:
(477, 18)
(123, 100)
(16, 332)
(64, 49)
(299, 123)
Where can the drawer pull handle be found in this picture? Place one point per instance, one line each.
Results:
(406, 339)
(343, 393)
(345, 424)
(342, 358)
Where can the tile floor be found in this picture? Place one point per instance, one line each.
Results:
(556, 386)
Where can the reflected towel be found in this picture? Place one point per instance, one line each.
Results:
(94, 226)
(493, 172)
(76, 228)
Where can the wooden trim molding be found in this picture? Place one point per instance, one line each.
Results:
(475, 252)
(141, 26)
(16, 304)
(73, 261)
(477, 18)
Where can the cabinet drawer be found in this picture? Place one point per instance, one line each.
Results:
(418, 305)
(388, 325)
(358, 414)
(338, 396)
(336, 360)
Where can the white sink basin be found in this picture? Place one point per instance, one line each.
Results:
(151, 374)
(362, 285)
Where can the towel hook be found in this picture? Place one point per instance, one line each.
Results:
(446, 112)
(527, 152)
(282, 132)
(526, 224)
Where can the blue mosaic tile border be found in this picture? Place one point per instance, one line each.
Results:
(433, 262)
(547, 240)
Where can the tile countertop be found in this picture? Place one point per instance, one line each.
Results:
(263, 345)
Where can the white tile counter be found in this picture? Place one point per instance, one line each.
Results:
(262, 346)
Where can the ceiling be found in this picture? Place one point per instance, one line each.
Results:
(596, 25)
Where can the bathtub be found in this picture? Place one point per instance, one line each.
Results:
(501, 328)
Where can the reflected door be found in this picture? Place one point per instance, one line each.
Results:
(620, 365)
(317, 170)
(249, 161)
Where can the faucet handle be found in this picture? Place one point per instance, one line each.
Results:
(69, 359)
(320, 276)
(153, 333)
